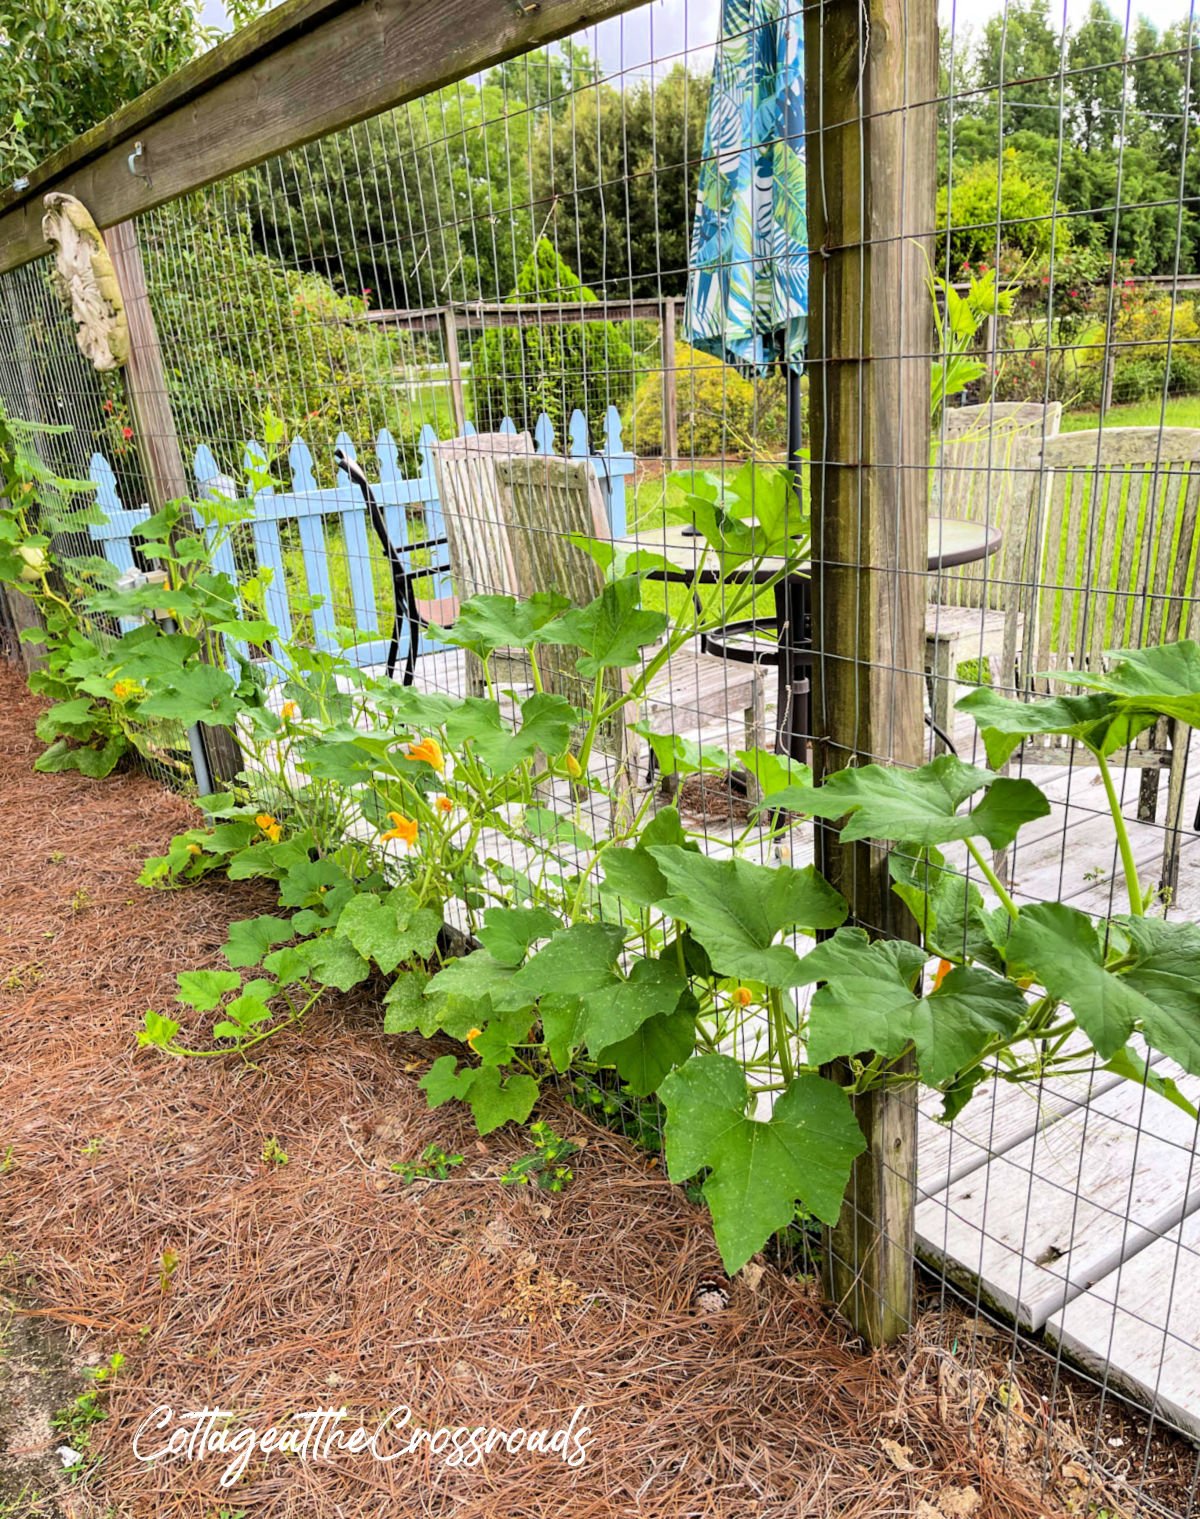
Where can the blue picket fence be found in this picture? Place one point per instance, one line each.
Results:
(410, 506)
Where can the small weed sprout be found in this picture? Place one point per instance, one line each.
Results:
(434, 1165)
(273, 1153)
(77, 1419)
(545, 1167)
(168, 1264)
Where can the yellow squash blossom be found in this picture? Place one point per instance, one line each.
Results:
(270, 826)
(574, 768)
(743, 996)
(124, 689)
(402, 828)
(472, 1035)
(288, 711)
(193, 849)
(442, 803)
(943, 970)
(429, 750)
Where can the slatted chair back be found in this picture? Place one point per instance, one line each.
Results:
(477, 534)
(987, 465)
(1117, 568)
(547, 499)
(476, 528)
(1118, 542)
(1113, 564)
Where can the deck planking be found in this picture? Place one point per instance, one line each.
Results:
(1139, 1326)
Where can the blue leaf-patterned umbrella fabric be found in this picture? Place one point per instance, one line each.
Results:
(747, 296)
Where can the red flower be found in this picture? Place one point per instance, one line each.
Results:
(1072, 292)
(127, 432)
(108, 405)
(368, 291)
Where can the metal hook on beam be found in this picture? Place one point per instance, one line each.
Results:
(139, 152)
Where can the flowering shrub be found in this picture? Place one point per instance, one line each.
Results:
(441, 847)
(1156, 348)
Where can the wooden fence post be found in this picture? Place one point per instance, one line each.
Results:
(870, 88)
(154, 429)
(670, 436)
(458, 401)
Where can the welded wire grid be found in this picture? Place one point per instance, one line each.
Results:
(321, 291)
(44, 379)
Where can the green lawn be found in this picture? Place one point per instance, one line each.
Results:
(1179, 411)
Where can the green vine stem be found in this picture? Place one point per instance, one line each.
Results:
(1137, 904)
(993, 880)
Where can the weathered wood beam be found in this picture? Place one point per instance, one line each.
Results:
(481, 314)
(305, 69)
(870, 87)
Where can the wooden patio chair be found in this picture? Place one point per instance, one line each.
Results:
(1116, 568)
(542, 499)
(477, 536)
(987, 468)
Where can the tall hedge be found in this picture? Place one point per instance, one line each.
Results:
(554, 367)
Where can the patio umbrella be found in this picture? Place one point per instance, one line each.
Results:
(747, 295)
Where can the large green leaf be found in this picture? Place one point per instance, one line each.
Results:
(1064, 950)
(88, 759)
(617, 1010)
(547, 722)
(310, 883)
(632, 872)
(493, 1100)
(871, 1003)
(337, 963)
(1166, 971)
(204, 989)
(920, 807)
(348, 761)
(251, 938)
(479, 977)
(562, 1028)
(391, 929)
(197, 693)
(406, 1007)
(655, 1048)
(1163, 680)
(737, 909)
(496, 1100)
(758, 1170)
(577, 960)
(1005, 723)
(774, 772)
(611, 631)
(487, 623)
(509, 931)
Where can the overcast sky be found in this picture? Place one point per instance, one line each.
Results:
(665, 29)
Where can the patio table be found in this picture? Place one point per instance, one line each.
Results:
(951, 541)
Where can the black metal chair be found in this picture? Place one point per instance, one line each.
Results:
(406, 605)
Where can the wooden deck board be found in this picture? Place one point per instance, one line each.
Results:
(1140, 1326)
(997, 1119)
(1041, 1222)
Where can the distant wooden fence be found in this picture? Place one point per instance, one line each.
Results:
(314, 509)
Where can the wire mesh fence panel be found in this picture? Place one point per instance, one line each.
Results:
(824, 384)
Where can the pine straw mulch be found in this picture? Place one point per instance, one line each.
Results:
(326, 1281)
